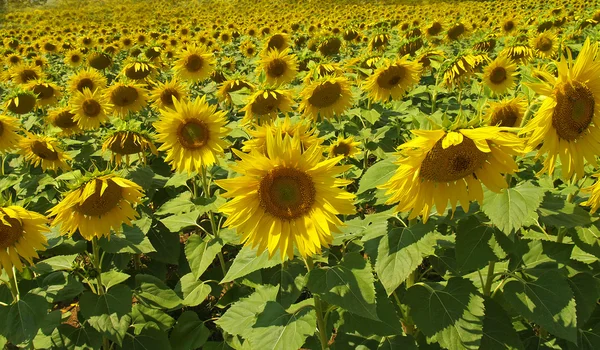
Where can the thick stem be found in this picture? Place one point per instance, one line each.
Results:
(487, 288)
(14, 287)
(98, 267)
(211, 217)
(561, 234)
(319, 311)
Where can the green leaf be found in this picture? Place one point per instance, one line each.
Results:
(81, 338)
(141, 315)
(453, 314)
(55, 263)
(189, 332)
(473, 245)
(192, 291)
(178, 205)
(150, 338)
(166, 244)
(109, 314)
(200, 253)
(277, 329)
(588, 340)
(513, 207)
(156, 292)
(60, 286)
(112, 278)
(241, 316)
(371, 115)
(547, 301)
(131, 240)
(397, 342)
(556, 211)
(177, 222)
(588, 239)
(377, 175)
(291, 279)
(498, 332)
(23, 318)
(179, 179)
(401, 251)
(348, 285)
(586, 289)
(248, 261)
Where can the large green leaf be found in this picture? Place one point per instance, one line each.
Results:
(189, 332)
(513, 207)
(247, 261)
(166, 245)
(498, 332)
(547, 301)
(156, 292)
(191, 290)
(453, 315)
(150, 338)
(200, 253)
(112, 278)
(397, 342)
(473, 245)
(588, 239)
(177, 222)
(556, 211)
(23, 318)
(83, 337)
(141, 315)
(132, 239)
(291, 279)
(348, 285)
(178, 205)
(586, 289)
(109, 314)
(377, 175)
(55, 263)
(60, 286)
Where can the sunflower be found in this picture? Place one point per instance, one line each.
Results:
(248, 49)
(64, 119)
(73, 58)
(137, 69)
(126, 141)
(99, 60)
(20, 101)
(279, 67)
(9, 137)
(265, 104)
(86, 78)
(326, 97)
(438, 166)
(90, 108)
(567, 124)
(545, 44)
(286, 198)
(47, 93)
(508, 112)
(99, 204)
(232, 85)
(125, 98)
(345, 147)
(321, 70)
(163, 94)
(459, 70)
(194, 63)
(518, 53)
(500, 75)
(192, 134)
(392, 79)
(40, 150)
(300, 130)
(278, 42)
(21, 234)
(25, 72)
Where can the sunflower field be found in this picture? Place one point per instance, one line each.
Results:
(344, 174)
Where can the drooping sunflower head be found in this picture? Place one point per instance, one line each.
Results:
(437, 167)
(98, 204)
(290, 200)
(298, 130)
(507, 113)
(279, 42)
(431, 59)
(25, 72)
(164, 93)
(9, 137)
(345, 147)
(21, 235)
(500, 75)
(128, 139)
(326, 97)
(545, 44)
(63, 118)
(44, 151)
(567, 124)
(194, 63)
(379, 42)
(265, 104)
(90, 108)
(459, 70)
(232, 85)
(20, 101)
(518, 53)
(392, 79)
(99, 60)
(279, 67)
(47, 93)
(320, 70)
(125, 98)
(138, 68)
(192, 134)
(330, 46)
(87, 79)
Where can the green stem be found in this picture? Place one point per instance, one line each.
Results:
(98, 267)
(211, 217)
(487, 288)
(318, 310)
(14, 287)
(561, 234)
(2, 160)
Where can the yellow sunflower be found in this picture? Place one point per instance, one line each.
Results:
(345, 147)
(64, 119)
(137, 69)
(192, 134)
(300, 130)
(47, 93)
(125, 98)
(567, 124)
(232, 85)
(265, 104)
(518, 53)
(73, 58)
(194, 63)
(392, 79)
(40, 150)
(124, 143)
(508, 112)
(21, 235)
(594, 200)
(286, 198)
(9, 137)
(279, 67)
(98, 205)
(86, 78)
(500, 75)
(459, 70)
(90, 108)
(545, 44)
(280, 42)
(438, 166)
(326, 97)
(20, 101)
(163, 94)
(25, 72)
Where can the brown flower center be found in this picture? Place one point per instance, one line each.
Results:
(43, 91)
(574, 110)
(10, 232)
(505, 116)
(85, 83)
(26, 104)
(286, 193)
(264, 106)
(166, 96)
(277, 41)
(498, 75)
(28, 75)
(325, 94)
(544, 44)
(276, 68)
(126, 143)
(341, 149)
(452, 163)
(391, 77)
(91, 108)
(100, 204)
(64, 120)
(123, 96)
(193, 134)
(100, 61)
(42, 150)
(194, 63)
